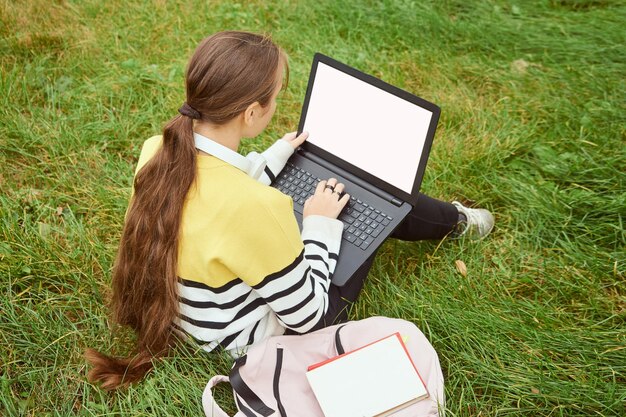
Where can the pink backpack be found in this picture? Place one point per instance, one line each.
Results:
(270, 379)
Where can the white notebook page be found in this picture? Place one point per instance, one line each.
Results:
(368, 381)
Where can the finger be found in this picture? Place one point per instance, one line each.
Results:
(297, 141)
(344, 200)
(332, 182)
(290, 136)
(320, 187)
(330, 187)
(339, 188)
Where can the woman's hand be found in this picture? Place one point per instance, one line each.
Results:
(327, 200)
(294, 140)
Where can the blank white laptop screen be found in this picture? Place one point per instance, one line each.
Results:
(366, 126)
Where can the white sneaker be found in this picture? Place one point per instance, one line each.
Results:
(479, 222)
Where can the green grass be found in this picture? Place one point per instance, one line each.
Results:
(533, 127)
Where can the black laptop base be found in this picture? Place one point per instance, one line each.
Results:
(368, 219)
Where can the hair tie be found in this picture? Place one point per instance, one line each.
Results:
(187, 110)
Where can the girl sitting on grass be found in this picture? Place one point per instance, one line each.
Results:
(209, 251)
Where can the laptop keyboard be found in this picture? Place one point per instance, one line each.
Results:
(362, 222)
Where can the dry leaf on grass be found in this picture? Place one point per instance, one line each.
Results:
(460, 266)
(520, 66)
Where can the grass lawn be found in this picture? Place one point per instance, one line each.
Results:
(533, 127)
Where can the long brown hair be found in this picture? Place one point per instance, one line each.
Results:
(228, 72)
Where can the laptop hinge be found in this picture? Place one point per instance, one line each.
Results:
(343, 173)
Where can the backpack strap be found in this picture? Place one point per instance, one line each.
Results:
(211, 408)
(243, 390)
(276, 381)
(338, 345)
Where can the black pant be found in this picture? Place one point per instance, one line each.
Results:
(429, 219)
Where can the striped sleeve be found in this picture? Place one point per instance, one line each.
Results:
(298, 293)
(231, 316)
(276, 157)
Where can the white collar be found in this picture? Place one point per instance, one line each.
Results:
(253, 164)
(221, 152)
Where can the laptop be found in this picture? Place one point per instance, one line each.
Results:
(373, 137)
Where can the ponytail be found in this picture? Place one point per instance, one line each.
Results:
(117, 372)
(144, 275)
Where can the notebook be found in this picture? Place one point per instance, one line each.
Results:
(373, 137)
(375, 380)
